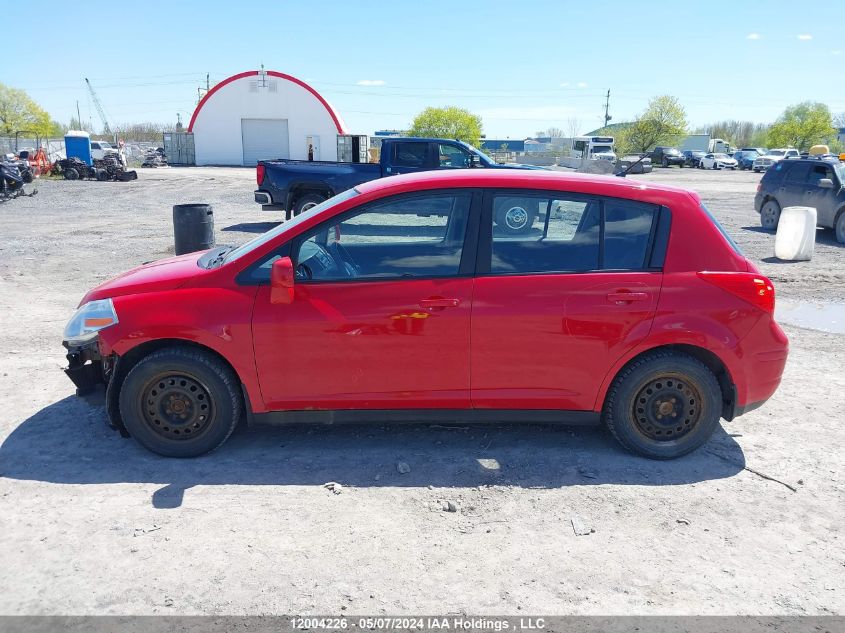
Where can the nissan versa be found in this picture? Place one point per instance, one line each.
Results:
(406, 299)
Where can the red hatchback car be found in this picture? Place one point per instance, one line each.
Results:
(413, 298)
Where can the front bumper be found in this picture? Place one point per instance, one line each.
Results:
(86, 368)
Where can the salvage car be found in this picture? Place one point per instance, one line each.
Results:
(717, 161)
(400, 300)
(807, 182)
(667, 156)
(693, 157)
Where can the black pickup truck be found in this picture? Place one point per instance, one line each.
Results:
(297, 185)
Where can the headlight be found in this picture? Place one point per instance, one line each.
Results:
(88, 320)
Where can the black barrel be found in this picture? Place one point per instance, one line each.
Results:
(193, 227)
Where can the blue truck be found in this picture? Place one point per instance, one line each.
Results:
(298, 185)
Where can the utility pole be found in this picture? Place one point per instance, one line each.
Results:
(607, 116)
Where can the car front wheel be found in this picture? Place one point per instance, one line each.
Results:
(180, 402)
(770, 215)
(663, 405)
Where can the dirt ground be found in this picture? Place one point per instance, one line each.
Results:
(90, 523)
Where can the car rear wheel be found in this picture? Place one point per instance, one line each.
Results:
(180, 402)
(840, 228)
(663, 405)
(306, 202)
(770, 215)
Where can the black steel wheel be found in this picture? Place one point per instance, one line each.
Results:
(176, 405)
(180, 402)
(663, 404)
(71, 174)
(666, 408)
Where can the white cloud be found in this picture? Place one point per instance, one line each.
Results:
(582, 84)
(564, 84)
(805, 36)
(371, 82)
(753, 36)
(836, 52)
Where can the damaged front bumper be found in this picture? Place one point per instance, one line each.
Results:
(86, 368)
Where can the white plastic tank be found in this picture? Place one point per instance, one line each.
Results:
(796, 236)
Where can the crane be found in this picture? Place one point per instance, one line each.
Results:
(99, 106)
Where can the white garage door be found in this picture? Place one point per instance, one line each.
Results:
(264, 139)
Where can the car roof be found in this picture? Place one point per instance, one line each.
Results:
(613, 186)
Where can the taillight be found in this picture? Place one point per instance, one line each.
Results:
(259, 174)
(751, 287)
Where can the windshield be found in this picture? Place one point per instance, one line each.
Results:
(840, 171)
(104, 145)
(672, 152)
(262, 239)
(776, 152)
(600, 149)
(722, 156)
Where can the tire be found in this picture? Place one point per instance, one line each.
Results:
(102, 175)
(308, 201)
(28, 177)
(512, 217)
(663, 405)
(180, 402)
(665, 164)
(839, 227)
(770, 215)
(71, 174)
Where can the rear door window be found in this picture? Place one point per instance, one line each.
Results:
(410, 154)
(796, 172)
(557, 232)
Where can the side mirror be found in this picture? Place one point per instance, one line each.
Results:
(826, 183)
(475, 161)
(281, 281)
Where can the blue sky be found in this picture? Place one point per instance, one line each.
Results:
(522, 65)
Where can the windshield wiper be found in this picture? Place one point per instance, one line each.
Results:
(220, 256)
(626, 171)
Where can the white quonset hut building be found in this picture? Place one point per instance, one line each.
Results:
(258, 115)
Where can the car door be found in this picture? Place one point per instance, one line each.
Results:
(452, 156)
(822, 198)
(555, 307)
(793, 185)
(408, 157)
(707, 161)
(380, 317)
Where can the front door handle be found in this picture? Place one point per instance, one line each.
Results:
(623, 297)
(439, 302)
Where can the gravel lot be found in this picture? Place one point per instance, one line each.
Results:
(93, 524)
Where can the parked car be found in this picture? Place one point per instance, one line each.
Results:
(762, 163)
(717, 161)
(298, 185)
(810, 182)
(363, 309)
(745, 157)
(667, 156)
(99, 150)
(693, 157)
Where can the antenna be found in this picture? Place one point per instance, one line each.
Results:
(99, 107)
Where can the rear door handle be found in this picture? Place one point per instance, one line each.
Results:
(622, 297)
(439, 302)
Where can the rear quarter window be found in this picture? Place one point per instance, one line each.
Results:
(722, 230)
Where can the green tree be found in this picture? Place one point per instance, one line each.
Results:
(18, 112)
(449, 122)
(803, 126)
(663, 122)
